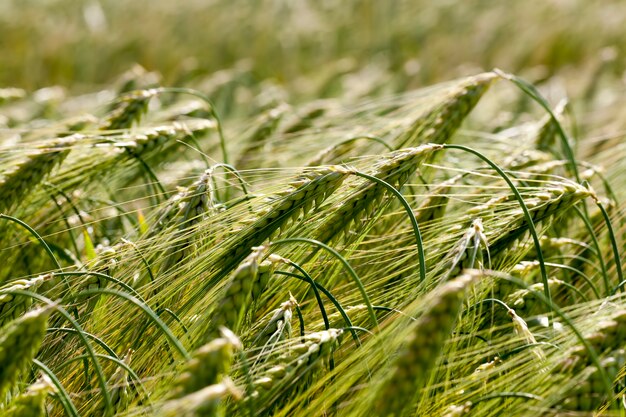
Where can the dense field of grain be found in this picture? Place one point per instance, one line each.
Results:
(312, 208)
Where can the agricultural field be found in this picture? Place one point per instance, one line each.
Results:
(312, 208)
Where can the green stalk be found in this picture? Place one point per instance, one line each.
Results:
(332, 299)
(64, 398)
(409, 212)
(148, 311)
(37, 236)
(346, 265)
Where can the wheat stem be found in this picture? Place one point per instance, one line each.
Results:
(332, 299)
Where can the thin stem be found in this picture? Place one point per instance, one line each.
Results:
(533, 93)
(149, 312)
(332, 299)
(174, 316)
(36, 235)
(409, 212)
(233, 171)
(616, 256)
(346, 265)
(310, 280)
(64, 398)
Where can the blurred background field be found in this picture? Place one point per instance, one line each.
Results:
(300, 42)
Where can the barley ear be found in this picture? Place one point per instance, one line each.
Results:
(22, 177)
(32, 402)
(13, 306)
(201, 403)
(208, 364)
(128, 109)
(232, 308)
(19, 343)
(417, 359)
(442, 121)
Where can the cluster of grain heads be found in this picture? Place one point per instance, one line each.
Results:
(208, 365)
(32, 402)
(413, 366)
(19, 342)
(394, 168)
(311, 188)
(291, 365)
(13, 306)
(440, 122)
(199, 268)
(23, 176)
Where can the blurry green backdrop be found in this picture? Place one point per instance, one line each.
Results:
(84, 43)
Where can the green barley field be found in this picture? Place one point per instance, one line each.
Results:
(312, 208)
